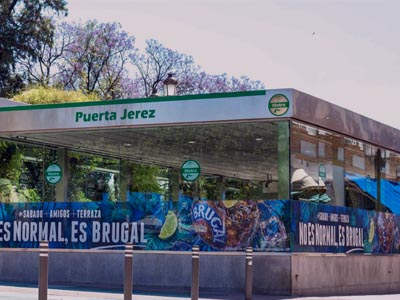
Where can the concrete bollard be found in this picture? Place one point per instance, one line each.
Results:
(128, 273)
(43, 276)
(195, 272)
(249, 273)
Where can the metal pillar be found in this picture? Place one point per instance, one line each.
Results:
(43, 276)
(195, 272)
(249, 273)
(128, 274)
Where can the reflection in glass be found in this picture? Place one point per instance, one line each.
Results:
(22, 177)
(92, 178)
(239, 161)
(360, 175)
(390, 182)
(314, 175)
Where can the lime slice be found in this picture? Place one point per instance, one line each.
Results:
(371, 231)
(229, 203)
(169, 226)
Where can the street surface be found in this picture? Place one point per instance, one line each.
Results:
(21, 292)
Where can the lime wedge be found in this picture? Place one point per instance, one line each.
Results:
(229, 203)
(371, 231)
(169, 226)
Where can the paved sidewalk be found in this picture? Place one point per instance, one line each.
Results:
(21, 292)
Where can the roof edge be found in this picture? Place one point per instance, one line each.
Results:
(135, 100)
(330, 116)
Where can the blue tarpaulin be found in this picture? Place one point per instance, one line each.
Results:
(390, 191)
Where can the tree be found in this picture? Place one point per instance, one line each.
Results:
(153, 68)
(95, 58)
(203, 83)
(101, 58)
(23, 23)
(44, 70)
(144, 178)
(154, 65)
(42, 95)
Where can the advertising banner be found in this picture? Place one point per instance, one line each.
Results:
(80, 225)
(237, 224)
(149, 222)
(334, 229)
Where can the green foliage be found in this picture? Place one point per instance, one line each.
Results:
(28, 195)
(87, 182)
(214, 187)
(42, 95)
(6, 189)
(144, 178)
(79, 166)
(23, 25)
(10, 172)
(237, 189)
(11, 160)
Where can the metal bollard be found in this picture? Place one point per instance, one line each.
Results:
(43, 275)
(249, 273)
(195, 272)
(128, 274)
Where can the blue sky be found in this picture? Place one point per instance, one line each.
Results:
(352, 60)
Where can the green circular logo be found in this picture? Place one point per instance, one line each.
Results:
(190, 170)
(53, 174)
(278, 105)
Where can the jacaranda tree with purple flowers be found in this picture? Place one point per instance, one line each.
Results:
(96, 59)
(157, 61)
(101, 58)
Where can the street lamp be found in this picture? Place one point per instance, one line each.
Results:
(153, 93)
(170, 85)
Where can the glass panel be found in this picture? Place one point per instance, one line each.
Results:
(14, 176)
(390, 182)
(283, 160)
(237, 161)
(338, 169)
(22, 173)
(360, 174)
(51, 185)
(317, 174)
(330, 169)
(92, 178)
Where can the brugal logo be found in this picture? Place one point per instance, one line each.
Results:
(207, 217)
